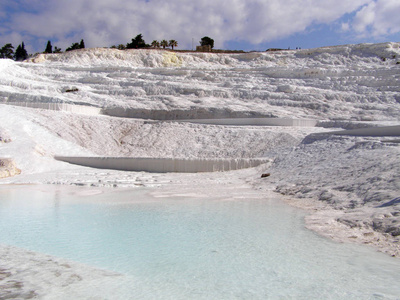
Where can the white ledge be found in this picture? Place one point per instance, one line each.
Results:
(164, 165)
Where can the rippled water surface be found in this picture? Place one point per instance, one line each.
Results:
(195, 248)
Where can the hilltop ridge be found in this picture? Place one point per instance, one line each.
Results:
(351, 82)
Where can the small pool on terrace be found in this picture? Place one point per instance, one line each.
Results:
(193, 247)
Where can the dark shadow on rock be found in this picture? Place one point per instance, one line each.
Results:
(391, 202)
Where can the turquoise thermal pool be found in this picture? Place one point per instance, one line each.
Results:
(186, 247)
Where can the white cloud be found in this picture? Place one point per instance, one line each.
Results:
(364, 18)
(378, 18)
(108, 22)
(345, 27)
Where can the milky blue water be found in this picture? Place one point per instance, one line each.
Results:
(195, 248)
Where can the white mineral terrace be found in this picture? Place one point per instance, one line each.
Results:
(256, 122)
(73, 108)
(90, 110)
(373, 131)
(111, 107)
(164, 165)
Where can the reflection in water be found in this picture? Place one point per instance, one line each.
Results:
(56, 201)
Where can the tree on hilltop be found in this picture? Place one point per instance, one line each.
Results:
(155, 44)
(7, 51)
(119, 47)
(172, 44)
(137, 42)
(49, 48)
(207, 41)
(76, 46)
(20, 53)
(164, 43)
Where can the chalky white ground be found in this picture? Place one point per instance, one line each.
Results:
(351, 185)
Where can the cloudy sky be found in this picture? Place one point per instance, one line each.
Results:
(233, 24)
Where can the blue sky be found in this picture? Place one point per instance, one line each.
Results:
(234, 24)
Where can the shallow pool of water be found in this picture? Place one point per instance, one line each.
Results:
(193, 247)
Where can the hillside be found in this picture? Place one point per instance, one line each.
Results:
(354, 82)
(107, 102)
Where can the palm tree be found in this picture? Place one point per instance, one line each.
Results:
(173, 43)
(155, 44)
(164, 44)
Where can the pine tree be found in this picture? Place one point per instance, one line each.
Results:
(49, 48)
(74, 46)
(137, 42)
(24, 52)
(7, 51)
(17, 54)
(20, 54)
